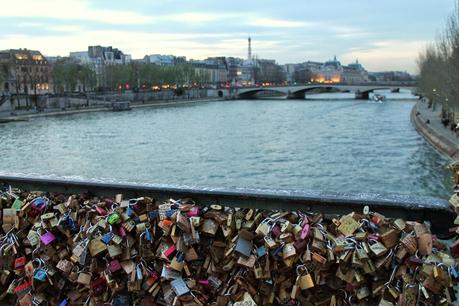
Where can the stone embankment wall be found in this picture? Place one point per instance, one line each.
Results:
(440, 142)
(71, 101)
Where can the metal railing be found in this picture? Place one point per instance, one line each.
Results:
(420, 208)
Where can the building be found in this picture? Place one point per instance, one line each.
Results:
(24, 72)
(164, 60)
(333, 72)
(268, 71)
(100, 58)
(221, 73)
(391, 76)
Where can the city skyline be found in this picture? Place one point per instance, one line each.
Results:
(385, 36)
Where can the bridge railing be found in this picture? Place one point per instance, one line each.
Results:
(435, 210)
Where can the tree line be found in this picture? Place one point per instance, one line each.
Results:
(439, 68)
(69, 75)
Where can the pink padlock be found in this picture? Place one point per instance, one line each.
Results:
(204, 282)
(170, 251)
(114, 266)
(101, 211)
(193, 212)
(305, 231)
(122, 232)
(373, 237)
(47, 238)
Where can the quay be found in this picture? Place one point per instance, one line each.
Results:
(26, 115)
(441, 138)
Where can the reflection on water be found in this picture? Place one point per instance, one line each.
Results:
(345, 145)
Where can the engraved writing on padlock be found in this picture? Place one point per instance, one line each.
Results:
(179, 286)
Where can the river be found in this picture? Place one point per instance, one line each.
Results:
(325, 144)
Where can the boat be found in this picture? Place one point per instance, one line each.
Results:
(379, 98)
(395, 90)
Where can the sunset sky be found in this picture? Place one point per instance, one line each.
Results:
(383, 35)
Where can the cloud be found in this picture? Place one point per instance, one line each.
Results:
(278, 23)
(70, 10)
(349, 32)
(193, 17)
(387, 55)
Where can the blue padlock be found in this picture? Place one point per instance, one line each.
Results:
(64, 302)
(153, 215)
(106, 238)
(40, 275)
(276, 253)
(129, 211)
(261, 251)
(147, 235)
(121, 300)
(170, 212)
(454, 272)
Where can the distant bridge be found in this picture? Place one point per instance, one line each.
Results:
(300, 91)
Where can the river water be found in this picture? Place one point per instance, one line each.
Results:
(327, 144)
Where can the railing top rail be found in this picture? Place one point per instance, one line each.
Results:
(435, 210)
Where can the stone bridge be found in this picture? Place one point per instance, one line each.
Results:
(300, 91)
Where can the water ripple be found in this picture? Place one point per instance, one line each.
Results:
(341, 146)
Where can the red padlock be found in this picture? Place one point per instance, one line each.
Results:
(276, 231)
(454, 248)
(98, 286)
(19, 263)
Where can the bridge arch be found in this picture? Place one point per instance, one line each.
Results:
(300, 94)
(253, 94)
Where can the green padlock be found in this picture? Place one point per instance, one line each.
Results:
(113, 218)
(17, 204)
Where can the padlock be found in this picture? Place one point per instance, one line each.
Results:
(114, 266)
(113, 218)
(47, 238)
(114, 250)
(248, 262)
(178, 262)
(243, 247)
(348, 225)
(390, 238)
(305, 231)
(33, 238)
(377, 248)
(305, 279)
(96, 246)
(65, 266)
(19, 263)
(425, 244)
(179, 286)
(263, 228)
(209, 227)
(410, 243)
(98, 286)
(84, 278)
(288, 251)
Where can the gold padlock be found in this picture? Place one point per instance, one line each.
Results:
(377, 248)
(305, 279)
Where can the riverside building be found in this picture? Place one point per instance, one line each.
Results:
(25, 72)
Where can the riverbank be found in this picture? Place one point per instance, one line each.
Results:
(24, 116)
(441, 138)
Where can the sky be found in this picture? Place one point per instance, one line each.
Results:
(382, 35)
